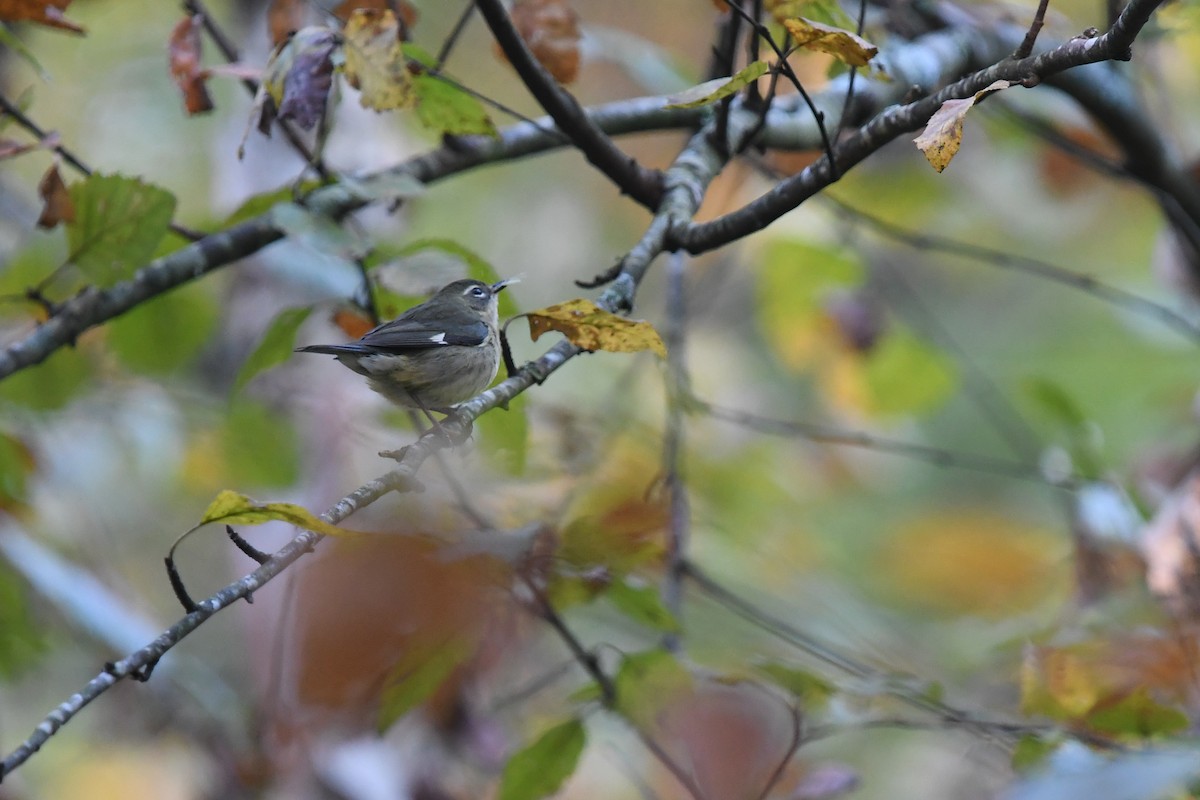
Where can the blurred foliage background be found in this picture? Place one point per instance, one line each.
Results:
(956, 583)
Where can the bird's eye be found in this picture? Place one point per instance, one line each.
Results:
(478, 292)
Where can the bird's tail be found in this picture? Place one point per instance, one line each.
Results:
(334, 349)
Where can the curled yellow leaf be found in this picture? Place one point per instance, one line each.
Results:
(375, 62)
(845, 46)
(232, 508)
(588, 326)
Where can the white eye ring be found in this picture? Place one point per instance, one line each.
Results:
(478, 292)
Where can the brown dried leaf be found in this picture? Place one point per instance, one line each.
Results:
(375, 63)
(57, 206)
(551, 30)
(285, 17)
(943, 134)
(588, 326)
(845, 46)
(183, 52)
(43, 12)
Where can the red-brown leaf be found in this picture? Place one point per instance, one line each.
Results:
(43, 12)
(56, 201)
(551, 29)
(183, 50)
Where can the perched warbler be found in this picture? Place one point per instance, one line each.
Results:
(435, 355)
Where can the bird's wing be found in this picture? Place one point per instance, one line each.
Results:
(414, 333)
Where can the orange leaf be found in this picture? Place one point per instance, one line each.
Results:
(551, 29)
(183, 52)
(57, 206)
(353, 322)
(43, 12)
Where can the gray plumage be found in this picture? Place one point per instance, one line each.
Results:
(433, 356)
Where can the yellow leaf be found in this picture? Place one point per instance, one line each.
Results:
(943, 133)
(971, 562)
(588, 326)
(375, 62)
(845, 46)
(231, 508)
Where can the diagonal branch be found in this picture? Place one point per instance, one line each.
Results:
(891, 123)
(642, 185)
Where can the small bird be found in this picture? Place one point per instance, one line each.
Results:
(435, 355)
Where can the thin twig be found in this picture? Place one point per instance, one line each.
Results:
(460, 26)
(983, 391)
(584, 657)
(673, 444)
(790, 74)
(793, 747)
(496, 104)
(936, 456)
(831, 657)
(896, 120)
(1035, 27)
(844, 117)
(1121, 298)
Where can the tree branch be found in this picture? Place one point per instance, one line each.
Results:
(642, 185)
(891, 123)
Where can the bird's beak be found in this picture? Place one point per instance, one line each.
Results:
(498, 285)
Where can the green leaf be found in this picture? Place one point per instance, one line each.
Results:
(232, 508)
(162, 335)
(260, 204)
(415, 678)
(1054, 402)
(647, 683)
(794, 279)
(446, 109)
(1032, 751)
(906, 376)
(16, 464)
(259, 446)
(1071, 424)
(51, 384)
(540, 769)
(1138, 715)
(276, 345)
(118, 224)
(21, 643)
(504, 436)
(810, 689)
(713, 91)
(643, 604)
(318, 232)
